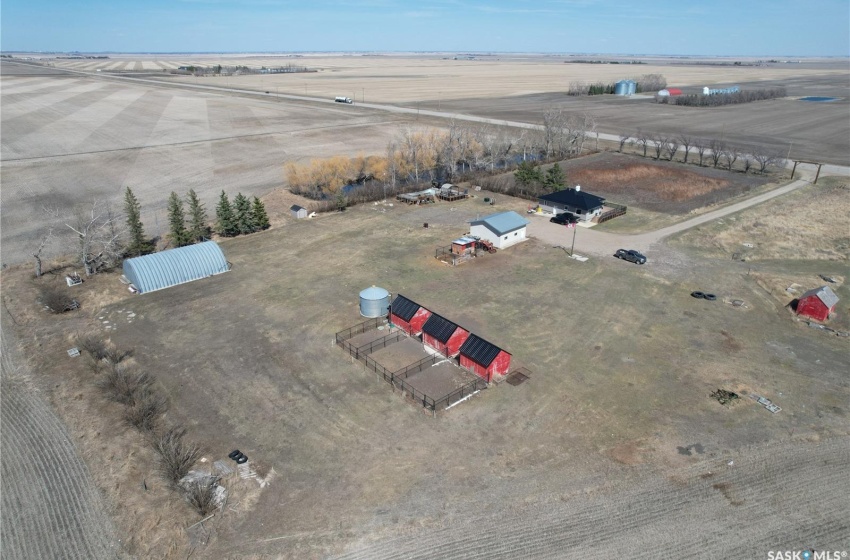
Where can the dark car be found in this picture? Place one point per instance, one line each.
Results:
(564, 218)
(630, 255)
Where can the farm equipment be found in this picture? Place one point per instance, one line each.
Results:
(485, 245)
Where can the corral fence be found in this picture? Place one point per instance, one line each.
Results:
(397, 378)
(615, 210)
(359, 328)
(446, 255)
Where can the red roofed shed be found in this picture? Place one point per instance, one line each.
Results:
(443, 336)
(817, 303)
(408, 315)
(483, 358)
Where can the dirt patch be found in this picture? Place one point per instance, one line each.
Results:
(628, 453)
(729, 492)
(656, 185)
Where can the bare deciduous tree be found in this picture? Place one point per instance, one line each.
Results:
(686, 141)
(765, 159)
(671, 146)
(717, 148)
(623, 139)
(99, 237)
(642, 139)
(701, 145)
(731, 155)
(658, 143)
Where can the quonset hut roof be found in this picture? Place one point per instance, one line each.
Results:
(175, 266)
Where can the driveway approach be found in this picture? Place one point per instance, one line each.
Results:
(603, 243)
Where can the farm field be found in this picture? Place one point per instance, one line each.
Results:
(615, 407)
(612, 447)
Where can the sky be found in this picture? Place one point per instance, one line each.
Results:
(668, 27)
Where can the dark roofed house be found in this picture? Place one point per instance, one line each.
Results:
(298, 211)
(443, 336)
(408, 315)
(583, 205)
(484, 358)
(817, 303)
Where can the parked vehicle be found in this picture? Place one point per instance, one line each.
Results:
(630, 255)
(564, 218)
(344, 100)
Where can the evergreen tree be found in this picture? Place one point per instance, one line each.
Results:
(242, 214)
(259, 218)
(177, 221)
(138, 243)
(527, 174)
(341, 201)
(555, 178)
(198, 228)
(225, 222)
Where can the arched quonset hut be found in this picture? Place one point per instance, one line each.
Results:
(175, 266)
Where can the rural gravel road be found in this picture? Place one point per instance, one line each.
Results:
(50, 506)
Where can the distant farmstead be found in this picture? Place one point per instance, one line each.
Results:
(175, 266)
(502, 230)
(298, 211)
(818, 303)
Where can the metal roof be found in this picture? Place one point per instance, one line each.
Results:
(825, 294)
(404, 308)
(374, 293)
(464, 240)
(502, 223)
(439, 327)
(574, 198)
(296, 208)
(479, 350)
(175, 266)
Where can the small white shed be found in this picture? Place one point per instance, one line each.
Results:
(502, 230)
(298, 211)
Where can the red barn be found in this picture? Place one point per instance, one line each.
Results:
(817, 303)
(408, 315)
(483, 358)
(443, 336)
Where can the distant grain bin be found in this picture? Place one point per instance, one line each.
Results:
(374, 302)
(621, 87)
(632, 87)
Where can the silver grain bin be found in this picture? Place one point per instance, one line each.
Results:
(621, 87)
(374, 302)
(632, 87)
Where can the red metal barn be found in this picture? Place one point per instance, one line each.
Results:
(443, 336)
(408, 315)
(817, 303)
(483, 358)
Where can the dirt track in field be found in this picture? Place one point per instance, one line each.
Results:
(51, 508)
(749, 513)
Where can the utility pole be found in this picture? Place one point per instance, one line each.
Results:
(575, 228)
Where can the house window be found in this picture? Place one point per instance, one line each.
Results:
(516, 233)
(506, 238)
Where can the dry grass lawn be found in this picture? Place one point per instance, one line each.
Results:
(809, 224)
